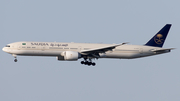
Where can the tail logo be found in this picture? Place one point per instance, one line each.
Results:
(159, 39)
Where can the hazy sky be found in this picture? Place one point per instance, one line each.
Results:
(155, 78)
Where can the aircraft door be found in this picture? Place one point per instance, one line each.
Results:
(19, 47)
(80, 48)
(141, 51)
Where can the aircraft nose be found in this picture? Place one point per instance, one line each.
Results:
(4, 49)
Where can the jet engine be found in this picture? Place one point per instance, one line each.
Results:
(69, 56)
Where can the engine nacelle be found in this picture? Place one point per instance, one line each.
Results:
(69, 56)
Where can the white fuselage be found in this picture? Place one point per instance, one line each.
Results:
(56, 48)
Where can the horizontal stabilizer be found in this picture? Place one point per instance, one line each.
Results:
(163, 50)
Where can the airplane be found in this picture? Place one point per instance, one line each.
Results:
(88, 51)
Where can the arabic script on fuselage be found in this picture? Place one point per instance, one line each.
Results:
(48, 44)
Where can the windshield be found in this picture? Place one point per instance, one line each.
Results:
(7, 45)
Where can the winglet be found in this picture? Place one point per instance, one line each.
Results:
(159, 39)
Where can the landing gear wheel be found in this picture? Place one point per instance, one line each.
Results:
(82, 62)
(93, 64)
(89, 63)
(86, 63)
(15, 60)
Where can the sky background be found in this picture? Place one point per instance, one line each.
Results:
(155, 78)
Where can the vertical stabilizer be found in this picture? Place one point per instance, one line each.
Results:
(159, 39)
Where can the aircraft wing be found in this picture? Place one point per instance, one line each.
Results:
(101, 49)
(163, 50)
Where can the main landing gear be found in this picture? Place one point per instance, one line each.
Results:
(88, 63)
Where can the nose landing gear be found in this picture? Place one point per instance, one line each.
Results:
(15, 60)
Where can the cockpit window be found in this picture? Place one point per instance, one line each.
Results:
(7, 45)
